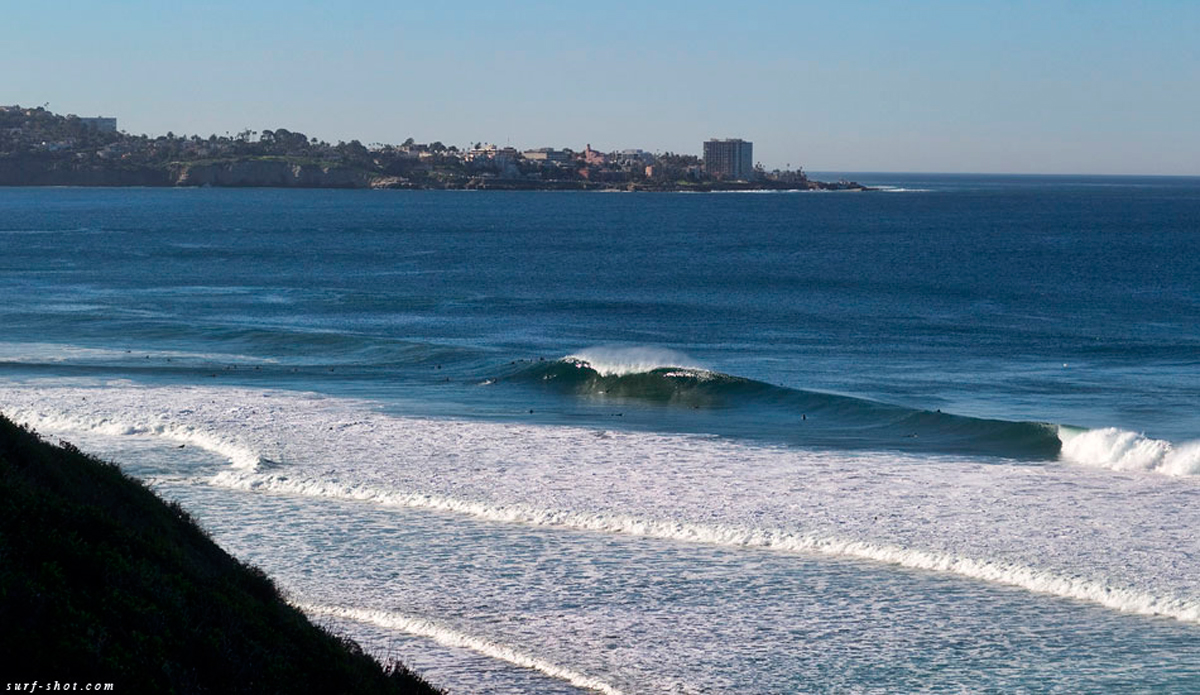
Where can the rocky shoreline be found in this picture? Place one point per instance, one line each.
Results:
(290, 173)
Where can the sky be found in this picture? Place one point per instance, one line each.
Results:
(1096, 87)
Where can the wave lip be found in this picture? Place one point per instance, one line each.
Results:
(422, 627)
(624, 361)
(1124, 450)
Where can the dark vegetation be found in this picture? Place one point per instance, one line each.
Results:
(101, 581)
(38, 147)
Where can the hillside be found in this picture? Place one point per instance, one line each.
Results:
(102, 582)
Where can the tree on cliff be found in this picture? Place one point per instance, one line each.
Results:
(354, 152)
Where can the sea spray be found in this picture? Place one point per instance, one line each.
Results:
(622, 361)
(1119, 449)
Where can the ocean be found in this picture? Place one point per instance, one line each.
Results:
(941, 437)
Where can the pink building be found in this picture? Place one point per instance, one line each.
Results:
(594, 158)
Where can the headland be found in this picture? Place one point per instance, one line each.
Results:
(41, 148)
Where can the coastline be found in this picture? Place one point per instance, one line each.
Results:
(297, 173)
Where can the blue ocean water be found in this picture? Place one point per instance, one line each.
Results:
(938, 437)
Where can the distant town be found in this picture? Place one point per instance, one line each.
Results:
(38, 147)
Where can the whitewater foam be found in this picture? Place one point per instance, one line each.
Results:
(1123, 540)
(449, 637)
(1124, 450)
(1031, 579)
(166, 426)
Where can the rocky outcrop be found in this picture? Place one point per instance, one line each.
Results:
(259, 173)
(391, 182)
(32, 172)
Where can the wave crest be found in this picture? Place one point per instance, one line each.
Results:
(1123, 450)
(667, 378)
(624, 361)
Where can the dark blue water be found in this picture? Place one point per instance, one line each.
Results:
(938, 437)
(1043, 299)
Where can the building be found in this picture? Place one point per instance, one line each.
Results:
(593, 158)
(729, 159)
(546, 154)
(100, 124)
(498, 155)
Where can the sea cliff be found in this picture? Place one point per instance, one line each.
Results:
(275, 173)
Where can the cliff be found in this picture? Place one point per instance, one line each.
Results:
(39, 172)
(275, 173)
(102, 582)
(295, 172)
(251, 172)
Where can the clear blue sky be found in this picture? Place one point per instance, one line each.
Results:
(1040, 87)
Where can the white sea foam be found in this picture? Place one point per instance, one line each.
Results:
(1123, 539)
(765, 191)
(453, 638)
(1119, 449)
(165, 426)
(621, 361)
(783, 540)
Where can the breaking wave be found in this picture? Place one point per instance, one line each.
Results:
(1013, 525)
(669, 378)
(615, 361)
(1124, 450)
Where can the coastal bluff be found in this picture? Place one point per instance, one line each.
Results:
(268, 173)
(234, 173)
(103, 582)
(288, 172)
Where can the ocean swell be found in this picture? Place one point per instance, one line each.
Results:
(670, 379)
